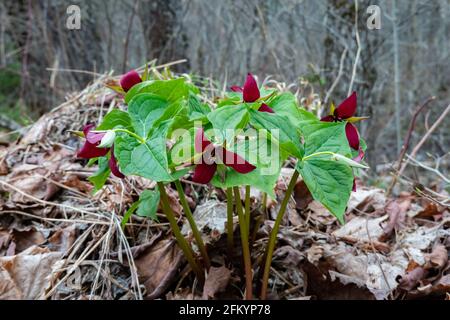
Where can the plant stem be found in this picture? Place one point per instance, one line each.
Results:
(261, 217)
(190, 218)
(273, 234)
(230, 222)
(134, 135)
(320, 153)
(247, 208)
(245, 246)
(177, 233)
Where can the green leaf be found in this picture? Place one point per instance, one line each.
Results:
(98, 179)
(114, 119)
(286, 104)
(265, 183)
(148, 204)
(148, 160)
(229, 118)
(145, 109)
(306, 118)
(329, 182)
(128, 214)
(170, 90)
(196, 109)
(326, 136)
(288, 136)
(259, 152)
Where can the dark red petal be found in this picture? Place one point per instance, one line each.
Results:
(203, 172)
(265, 108)
(327, 119)
(88, 128)
(234, 161)
(360, 156)
(90, 150)
(129, 79)
(250, 91)
(113, 165)
(201, 142)
(347, 108)
(354, 185)
(236, 88)
(352, 135)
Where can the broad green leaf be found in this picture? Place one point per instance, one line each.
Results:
(148, 204)
(232, 178)
(114, 119)
(229, 118)
(288, 136)
(326, 136)
(268, 162)
(170, 90)
(286, 104)
(306, 119)
(148, 160)
(196, 109)
(183, 149)
(98, 179)
(180, 173)
(329, 182)
(145, 109)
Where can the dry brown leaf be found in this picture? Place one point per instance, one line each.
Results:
(438, 258)
(431, 211)
(158, 265)
(411, 279)
(397, 214)
(63, 239)
(216, 281)
(302, 195)
(211, 216)
(26, 238)
(28, 274)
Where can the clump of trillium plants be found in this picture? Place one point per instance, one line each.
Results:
(243, 140)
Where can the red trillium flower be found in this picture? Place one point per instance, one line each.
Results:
(250, 93)
(204, 171)
(346, 111)
(90, 149)
(130, 79)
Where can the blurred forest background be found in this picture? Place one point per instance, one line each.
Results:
(310, 44)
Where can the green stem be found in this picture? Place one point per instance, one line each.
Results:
(261, 217)
(177, 233)
(190, 218)
(245, 246)
(230, 222)
(247, 207)
(273, 234)
(134, 135)
(320, 153)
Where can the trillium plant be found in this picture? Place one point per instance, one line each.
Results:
(166, 132)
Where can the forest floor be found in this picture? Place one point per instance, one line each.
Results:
(59, 241)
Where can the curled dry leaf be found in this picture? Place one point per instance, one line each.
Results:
(411, 279)
(157, 267)
(438, 258)
(216, 281)
(211, 215)
(28, 274)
